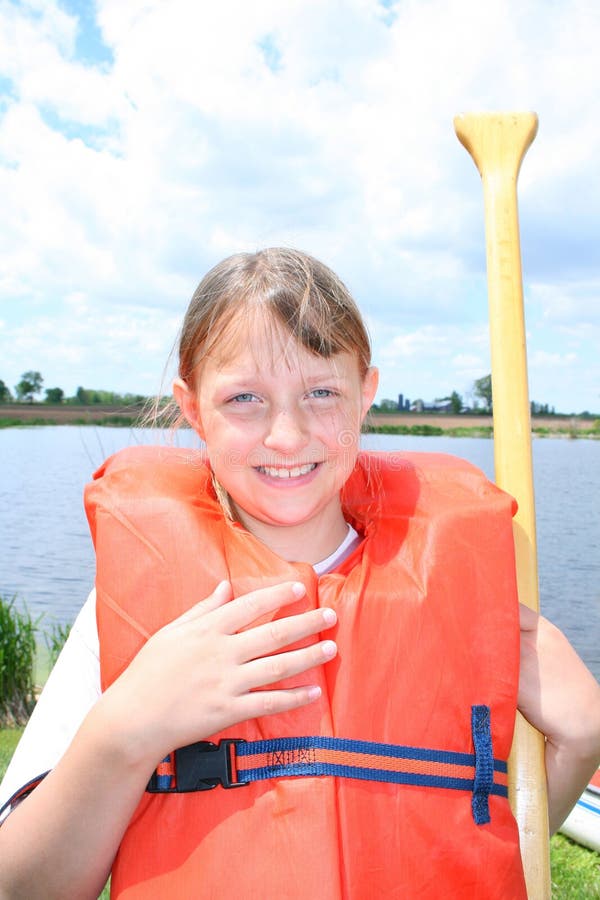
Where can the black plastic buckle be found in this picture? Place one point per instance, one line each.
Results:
(201, 767)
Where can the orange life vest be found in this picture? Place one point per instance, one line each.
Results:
(427, 630)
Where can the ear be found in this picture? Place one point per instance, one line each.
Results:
(369, 389)
(185, 398)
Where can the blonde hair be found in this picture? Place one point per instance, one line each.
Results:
(295, 290)
(283, 288)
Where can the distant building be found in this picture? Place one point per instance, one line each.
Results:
(435, 406)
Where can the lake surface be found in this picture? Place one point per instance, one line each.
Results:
(46, 556)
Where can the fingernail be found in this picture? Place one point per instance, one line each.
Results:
(329, 616)
(329, 648)
(298, 589)
(314, 692)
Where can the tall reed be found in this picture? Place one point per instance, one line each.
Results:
(17, 658)
(54, 637)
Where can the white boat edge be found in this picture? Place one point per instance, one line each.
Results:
(583, 822)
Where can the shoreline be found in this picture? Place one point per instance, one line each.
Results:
(18, 415)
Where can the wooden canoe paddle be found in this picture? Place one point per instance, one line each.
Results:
(498, 142)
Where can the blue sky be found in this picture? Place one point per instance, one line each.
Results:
(142, 141)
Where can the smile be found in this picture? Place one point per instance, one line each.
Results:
(296, 472)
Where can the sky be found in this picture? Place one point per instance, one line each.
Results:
(141, 141)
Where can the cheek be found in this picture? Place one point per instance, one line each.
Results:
(343, 450)
(226, 461)
(344, 431)
(229, 448)
(344, 444)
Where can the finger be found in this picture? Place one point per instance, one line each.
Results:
(271, 669)
(267, 703)
(246, 609)
(220, 596)
(272, 636)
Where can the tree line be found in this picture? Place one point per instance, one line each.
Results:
(455, 404)
(32, 383)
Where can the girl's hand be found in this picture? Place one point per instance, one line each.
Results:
(561, 698)
(200, 673)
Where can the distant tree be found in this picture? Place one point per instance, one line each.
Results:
(483, 389)
(54, 395)
(30, 384)
(5, 394)
(456, 402)
(90, 397)
(388, 406)
(539, 409)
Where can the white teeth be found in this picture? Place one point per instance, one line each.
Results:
(296, 472)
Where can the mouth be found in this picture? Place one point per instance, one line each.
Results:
(281, 472)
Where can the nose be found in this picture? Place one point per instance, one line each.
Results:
(287, 432)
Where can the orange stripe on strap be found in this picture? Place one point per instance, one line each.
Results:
(355, 760)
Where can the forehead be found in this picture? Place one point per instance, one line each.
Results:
(255, 343)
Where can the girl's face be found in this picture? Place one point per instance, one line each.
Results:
(282, 428)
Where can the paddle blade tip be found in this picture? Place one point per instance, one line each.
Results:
(496, 139)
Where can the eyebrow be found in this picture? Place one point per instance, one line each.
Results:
(256, 374)
(325, 376)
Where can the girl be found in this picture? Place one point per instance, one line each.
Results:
(351, 617)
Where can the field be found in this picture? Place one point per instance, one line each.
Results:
(67, 414)
(552, 425)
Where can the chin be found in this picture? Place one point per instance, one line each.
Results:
(281, 517)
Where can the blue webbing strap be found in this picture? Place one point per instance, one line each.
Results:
(484, 763)
(234, 763)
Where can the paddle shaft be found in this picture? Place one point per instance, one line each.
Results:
(498, 143)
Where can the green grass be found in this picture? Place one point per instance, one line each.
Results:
(9, 738)
(480, 431)
(25, 660)
(115, 421)
(7, 422)
(17, 660)
(54, 637)
(110, 420)
(476, 431)
(575, 870)
(427, 430)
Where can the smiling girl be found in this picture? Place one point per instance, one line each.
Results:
(298, 673)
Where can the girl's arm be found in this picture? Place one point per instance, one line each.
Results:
(561, 698)
(193, 678)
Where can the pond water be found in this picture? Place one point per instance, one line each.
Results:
(47, 558)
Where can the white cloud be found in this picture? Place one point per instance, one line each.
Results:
(542, 359)
(567, 303)
(325, 125)
(469, 362)
(423, 362)
(94, 347)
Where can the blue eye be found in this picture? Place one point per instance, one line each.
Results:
(244, 398)
(321, 393)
